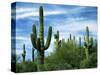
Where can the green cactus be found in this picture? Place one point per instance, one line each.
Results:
(24, 53)
(57, 42)
(70, 37)
(68, 40)
(95, 43)
(79, 42)
(33, 54)
(74, 41)
(71, 41)
(91, 42)
(38, 42)
(88, 43)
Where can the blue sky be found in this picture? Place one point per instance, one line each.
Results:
(65, 18)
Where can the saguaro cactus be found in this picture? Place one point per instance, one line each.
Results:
(24, 53)
(38, 42)
(57, 42)
(71, 40)
(91, 42)
(88, 43)
(70, 37)
(33, 54)
(79, 42)
(74, 41)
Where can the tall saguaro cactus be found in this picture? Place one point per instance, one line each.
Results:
(24, 53)
(57, 42)
(38, 42)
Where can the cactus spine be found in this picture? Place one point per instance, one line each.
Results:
(38, 43)
(24, 53)
(57, 42)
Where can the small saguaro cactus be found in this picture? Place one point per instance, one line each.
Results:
(91, 42)
(70, 37)
(79, 42)
(71, 41)
(24, 53)
(95, 43)
(68, 40)
(74, 40)
(57, 42)
(33, 54)
(38, 42)
(87, 43)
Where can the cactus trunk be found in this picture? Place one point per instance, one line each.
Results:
(42, 57)
(24, 53)
(79, 42)
(33, 54)
(87, 43)
(41, 28)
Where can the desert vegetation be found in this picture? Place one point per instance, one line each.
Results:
(68, 53)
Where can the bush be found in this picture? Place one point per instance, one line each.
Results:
(90, 63)
(58, 66)
(26, 67)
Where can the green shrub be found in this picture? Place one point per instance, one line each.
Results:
(57, 66)
(90, 63)
(26, 67)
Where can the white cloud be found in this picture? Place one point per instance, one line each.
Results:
(73, 27)
(22, 10)
(27, 12)
(36, 14)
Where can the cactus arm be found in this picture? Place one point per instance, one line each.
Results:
(34, 31)
(33, 40)
(34, 36)
(48, 38)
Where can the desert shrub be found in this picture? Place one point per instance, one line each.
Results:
(69, 54)
(26, 67)
(56, 66)
(90, 63)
